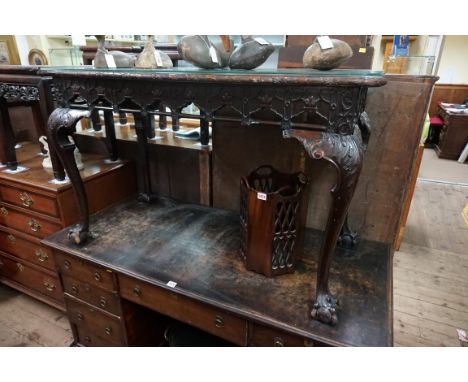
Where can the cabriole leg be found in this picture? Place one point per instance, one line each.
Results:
(61, 125)
(345, 153)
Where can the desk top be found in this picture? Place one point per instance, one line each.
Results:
(337, 77)
(197, 247)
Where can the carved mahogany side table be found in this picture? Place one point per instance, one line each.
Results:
(21, 85)
(323, 110)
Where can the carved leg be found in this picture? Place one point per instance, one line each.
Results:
(141, 128)
(345, 153)
(175, 121)
(62, 123)
(8, 136)
(111, 141)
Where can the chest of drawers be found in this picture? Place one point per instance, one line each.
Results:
(31, 208)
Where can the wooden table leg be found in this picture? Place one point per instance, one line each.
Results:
(345, 153)
(61, 125)
(122, 118)
(8, 136)
(162, 118)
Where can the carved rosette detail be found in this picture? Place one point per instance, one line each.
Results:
(14, 93)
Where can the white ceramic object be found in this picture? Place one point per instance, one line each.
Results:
(46, 162)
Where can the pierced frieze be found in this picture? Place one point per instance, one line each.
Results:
(19, 92)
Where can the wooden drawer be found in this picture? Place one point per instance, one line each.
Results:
(267, 336)
(108, 301)
(26, 223)
(200, 315)
(86, 338)
(30, 277)
(29, 200)
(94, 321)
(26, 249)
(84, 271)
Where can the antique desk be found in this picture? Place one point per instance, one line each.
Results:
(453, 135)
(323, 110)
(21, 85)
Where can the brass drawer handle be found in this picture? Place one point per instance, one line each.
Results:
(34, 225)
(108, 330)
(49, 286)
(67, 264)
(79, 316)
(137, 291)
(20, 267)
(41, 255)
(3, 211)
(219, 321)
(26, 199)
(278, 342)
(97, 276)
(103, 302)
(74, 289)
(11, 239)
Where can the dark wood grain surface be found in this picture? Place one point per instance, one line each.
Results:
(197, 247)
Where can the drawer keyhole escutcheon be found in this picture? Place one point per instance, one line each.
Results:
(20, 267)
(103, 302)
(74, 289)
(11, 239)
(97, 276)
(108, 330)
(26, 199)
(219, 321)
(137, 291)
(79, 316)
(67, 264)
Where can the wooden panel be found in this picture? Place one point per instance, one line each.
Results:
(396, 110)
(86, 316)
(203, 316)
(45, 283)
(449, 93)
(107, 301)
(26, 248)
(84, 271)
(29, 200)
(32, 224)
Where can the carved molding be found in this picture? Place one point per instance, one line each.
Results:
(14, 93)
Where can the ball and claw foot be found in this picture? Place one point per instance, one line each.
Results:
(325, 309)
(77, 235)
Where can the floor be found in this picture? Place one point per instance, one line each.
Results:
(430, 272)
